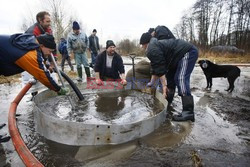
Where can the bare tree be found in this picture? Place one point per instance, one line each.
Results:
(231, 5)
(126, 46)
(61, 18)
(216, 22)
(214, 32)
(202, 11)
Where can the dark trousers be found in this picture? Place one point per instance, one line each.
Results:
(93, 58)
(180, 76)
(66, 57)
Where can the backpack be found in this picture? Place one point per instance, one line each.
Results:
(63, 48)
(162, 32)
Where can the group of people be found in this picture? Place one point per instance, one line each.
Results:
(172, 60)
(107, 64)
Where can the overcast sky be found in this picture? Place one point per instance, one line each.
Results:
(113, 19)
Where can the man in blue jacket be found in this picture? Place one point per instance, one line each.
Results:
(65, 55)
(77, 44)
(176, 59)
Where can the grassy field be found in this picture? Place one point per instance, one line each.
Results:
(226, 58)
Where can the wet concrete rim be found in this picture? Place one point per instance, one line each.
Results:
(80, 133)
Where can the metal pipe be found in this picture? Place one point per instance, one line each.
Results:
(60, 77)
(133, 64)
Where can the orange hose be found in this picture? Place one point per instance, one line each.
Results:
(24, 153)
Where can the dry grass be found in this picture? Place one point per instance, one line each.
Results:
(16, 78)
(10, 79)
(225, 58)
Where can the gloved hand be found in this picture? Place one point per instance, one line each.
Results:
(63, 91)
(149, 84)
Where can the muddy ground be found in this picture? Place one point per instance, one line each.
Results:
(220, 136)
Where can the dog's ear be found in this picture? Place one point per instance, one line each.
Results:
(209, 62)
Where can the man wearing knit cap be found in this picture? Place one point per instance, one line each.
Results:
(24, 52)
(162, 32)
(109, 65)
(77, 43)
(174, 58)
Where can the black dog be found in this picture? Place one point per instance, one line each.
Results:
(212, 70)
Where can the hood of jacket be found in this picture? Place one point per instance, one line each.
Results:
(24, 41)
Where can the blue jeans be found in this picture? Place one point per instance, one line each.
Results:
(81, 58)
(93, 58)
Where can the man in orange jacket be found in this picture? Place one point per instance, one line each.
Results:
(24, 52)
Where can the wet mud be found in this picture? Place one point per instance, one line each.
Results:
(219, 136)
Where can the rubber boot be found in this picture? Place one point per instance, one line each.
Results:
(188, 110)
(169, 109)
(170, 97)
(2, 125)
(4, 139)
(79, 72)
(87, 71)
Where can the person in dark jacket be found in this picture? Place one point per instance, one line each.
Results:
(162, 32)
(24, 52)
(109, 65)
(65, 55)
(94, 47)
(175, 58)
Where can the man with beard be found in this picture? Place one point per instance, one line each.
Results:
(109, 65)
